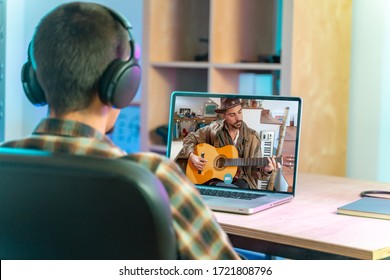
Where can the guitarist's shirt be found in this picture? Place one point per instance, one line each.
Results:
(217, 135)
(198, 234)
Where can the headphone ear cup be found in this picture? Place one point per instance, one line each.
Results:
(119, 83)
(31, 86)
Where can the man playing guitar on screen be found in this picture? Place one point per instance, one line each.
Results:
(230, 131)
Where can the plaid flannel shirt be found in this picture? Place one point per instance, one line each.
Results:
(198, 234)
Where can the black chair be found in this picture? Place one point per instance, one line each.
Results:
(56, 206)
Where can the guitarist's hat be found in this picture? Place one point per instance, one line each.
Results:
(227, 103)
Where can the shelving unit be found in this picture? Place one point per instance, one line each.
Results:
(204, 45)
(2, 69)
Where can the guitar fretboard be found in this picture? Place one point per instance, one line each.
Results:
(249, 161)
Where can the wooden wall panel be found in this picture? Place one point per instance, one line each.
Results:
(320, 75)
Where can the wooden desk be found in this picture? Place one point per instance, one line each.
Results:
(308, 227)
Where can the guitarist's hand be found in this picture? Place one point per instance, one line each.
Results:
(272, 165)
(197, 161)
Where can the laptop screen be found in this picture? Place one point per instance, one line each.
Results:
(203, 125)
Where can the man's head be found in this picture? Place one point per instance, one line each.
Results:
(74, 46)
(231, 110)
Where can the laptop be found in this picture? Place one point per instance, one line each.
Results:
(276, 120)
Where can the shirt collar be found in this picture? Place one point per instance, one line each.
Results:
(67, 128)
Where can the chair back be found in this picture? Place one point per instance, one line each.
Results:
(55, 206)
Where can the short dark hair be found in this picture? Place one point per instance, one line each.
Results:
(72, 46)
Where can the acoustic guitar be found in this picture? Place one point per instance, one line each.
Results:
(220, 162)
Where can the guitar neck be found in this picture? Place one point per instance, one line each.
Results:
(250, 161)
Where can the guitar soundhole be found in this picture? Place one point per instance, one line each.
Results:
(220, 163)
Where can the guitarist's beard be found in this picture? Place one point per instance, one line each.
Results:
(236, 125)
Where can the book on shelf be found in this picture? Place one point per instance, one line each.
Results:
(369, 207)
(252, 83)
(246, 83)
(263, 84)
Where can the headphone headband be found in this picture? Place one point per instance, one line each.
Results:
(126, 25)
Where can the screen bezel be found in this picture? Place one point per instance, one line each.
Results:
(178, 94)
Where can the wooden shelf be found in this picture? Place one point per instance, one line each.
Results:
(197, 119)
(224, 32)
(181, 64)
(206, 65)
(195, 124)
(248, 66)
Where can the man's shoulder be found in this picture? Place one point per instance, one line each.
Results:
(213, 126)
(67, 145)
(217, 124)
(19, 143)
(251, 131)
(251, 135)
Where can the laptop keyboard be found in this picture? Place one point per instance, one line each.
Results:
(229, 194)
